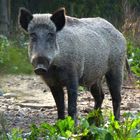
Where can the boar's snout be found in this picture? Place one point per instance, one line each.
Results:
(41, 65)
(40, 69)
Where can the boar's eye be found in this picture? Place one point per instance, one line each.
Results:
(33, 36)
(50, 35)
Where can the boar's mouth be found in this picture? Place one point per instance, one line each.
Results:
(40, 69)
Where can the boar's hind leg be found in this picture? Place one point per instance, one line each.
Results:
(58, 94)
(97, 93)
(114, 81)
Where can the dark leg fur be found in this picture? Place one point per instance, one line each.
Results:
(114, 81)
(72, 98)
(97, 93)
(58, 94)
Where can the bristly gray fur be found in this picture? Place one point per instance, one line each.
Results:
(41, 19)
(92, 45)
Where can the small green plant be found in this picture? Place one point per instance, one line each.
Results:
(129, 129)
(63, 129)
(81, 89)
(16, 134)
(95, 117)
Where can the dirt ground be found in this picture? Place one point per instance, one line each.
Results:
(26, 99)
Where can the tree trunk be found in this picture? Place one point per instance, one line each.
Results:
(4, 17)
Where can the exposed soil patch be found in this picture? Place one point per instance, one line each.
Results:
(27, 100)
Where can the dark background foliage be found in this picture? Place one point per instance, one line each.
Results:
(115, 11)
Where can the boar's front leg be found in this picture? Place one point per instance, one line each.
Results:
(72, 88)
(58, 94)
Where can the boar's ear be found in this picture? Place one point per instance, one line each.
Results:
(24, 18)
(58, 19)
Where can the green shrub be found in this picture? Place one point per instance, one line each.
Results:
(128, 129)
(110, 130)
(13, 59)
(134, 58)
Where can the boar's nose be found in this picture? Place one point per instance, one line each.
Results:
(40, 69)
(41, 65)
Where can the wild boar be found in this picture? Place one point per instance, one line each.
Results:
(67, 52)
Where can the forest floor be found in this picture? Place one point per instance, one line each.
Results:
(26, 100)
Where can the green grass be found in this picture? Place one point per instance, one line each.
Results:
(13, 59)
